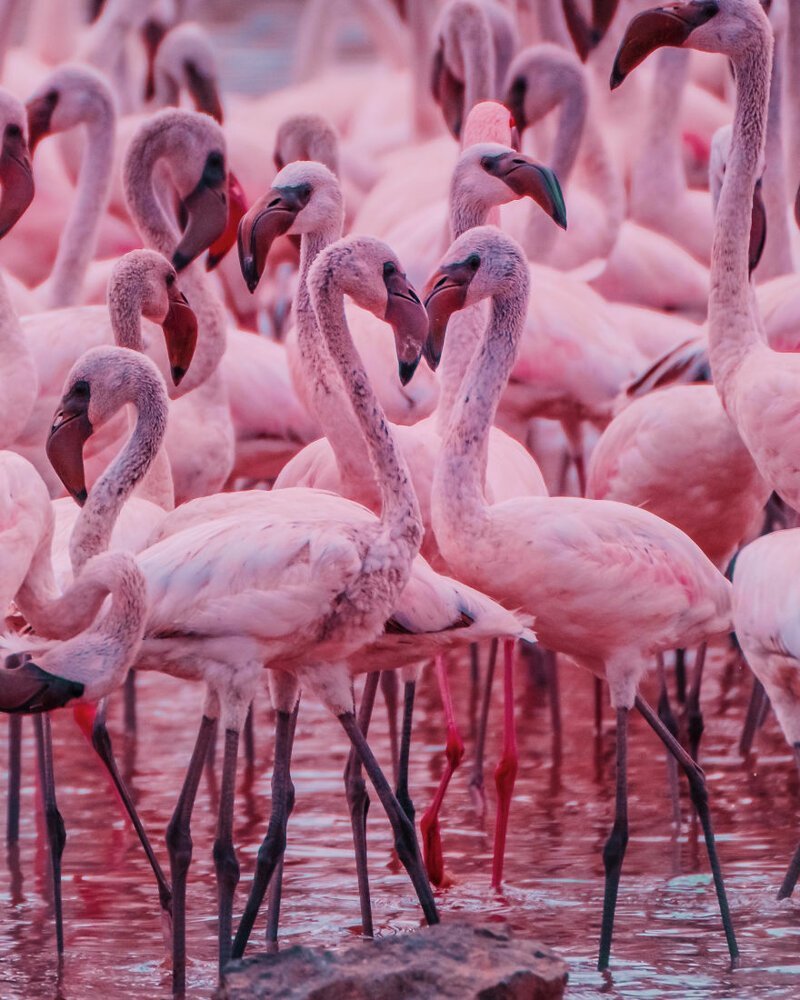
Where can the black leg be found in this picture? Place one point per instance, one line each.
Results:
(14, 778)
(358, 803)
(694, 714)
(389, 687)
(699, 793)
(276, 882)
(179, 845)
(555, 701)
(274, 844)
(598, 706)
(129, 693)
(56, 833)
(101, 741)
(680, 675)
(249, 740)
(403, 797)
(227, 867)
(758, 696)
(614, 850)
(790, 879)
(404, 836)
(474, 686)
(476, 780)
(667, 717)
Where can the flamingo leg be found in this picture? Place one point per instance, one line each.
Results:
(476, 780)
(249, 739)
(792, 873)
(699, 793)
(751, 719)
(598, 706)
(56, 833)
(680, 675)
(555, 702)
(614, 850)
(274, 843)
(405, 839)
(454, 752)
(474, 686)
(274, 907)
(667, 717)
(694, 714)
(227, 867)
(389, 686)
(14, 778)
(403, 797)
(179, 846)
(129, 694)
(358, 803)
(276, 882)
(101, 742)
(505, 774)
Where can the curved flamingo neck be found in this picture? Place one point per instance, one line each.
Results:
(92, 532)
(793, 93)
(421, 14)
(328, 397)
(400, 514)
(19, 381)
(78, 242)
(457, 492)
(731, 330)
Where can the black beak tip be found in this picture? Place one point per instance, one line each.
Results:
(80, 497)
(177, 372)
(212, 259)
(406, 370)
(617, 76)
(431, 356)
(180, 260)
(250, 274)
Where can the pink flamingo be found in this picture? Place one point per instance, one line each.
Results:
(610, 585)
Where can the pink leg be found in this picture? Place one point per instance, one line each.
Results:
(505, 774)
(429, 824)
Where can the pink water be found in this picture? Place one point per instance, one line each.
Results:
(668, 940)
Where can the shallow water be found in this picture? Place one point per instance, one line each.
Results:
(668, 939)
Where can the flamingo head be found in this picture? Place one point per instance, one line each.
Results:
(482, 263)
(491, 174)
(72, 95)
(183, 57)
(305, 197)
(307, 137)
(153, 280)
(369, 272)
(540, 78)
(16, 175)
(27, 689)
(101, 382)
(725, 26)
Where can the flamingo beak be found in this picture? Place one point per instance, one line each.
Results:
(448, 92)
(270, 217)
(584, 35)
(26, 688)
(180, 333)
(797, 207)
(653, 29)
(206, 209)
(527, 178)
(406, 315)
(204, 92)
(237, 206)
(40, 114)
(16, 177)
(445, 293)
(70, 431)
(758, 228)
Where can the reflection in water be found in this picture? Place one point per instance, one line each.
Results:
(668, 939)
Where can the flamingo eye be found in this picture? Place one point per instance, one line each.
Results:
(474, 261)
(389, 269)
(170, 280)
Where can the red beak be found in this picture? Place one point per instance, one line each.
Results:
(16, 177)
(237, 207)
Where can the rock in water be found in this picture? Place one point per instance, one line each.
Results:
(457, 960)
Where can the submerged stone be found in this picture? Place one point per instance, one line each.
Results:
(456, 959)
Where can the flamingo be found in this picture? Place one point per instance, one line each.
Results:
(757, 385)
(610, 585)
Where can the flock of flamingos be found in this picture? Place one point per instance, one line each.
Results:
(553, 407)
